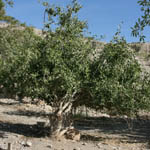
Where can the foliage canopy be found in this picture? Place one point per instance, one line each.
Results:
(63, 66)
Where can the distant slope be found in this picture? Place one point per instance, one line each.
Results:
(142, 51)
(19, 27)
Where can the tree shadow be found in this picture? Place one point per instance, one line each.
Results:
(115, 127)
(27, 130)
(8, 104)
(7, 95)
(28, 113)
(87, 137)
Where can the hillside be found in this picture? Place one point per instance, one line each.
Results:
(5, 25)
(142, 51)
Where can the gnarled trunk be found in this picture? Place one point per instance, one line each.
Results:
(61, 122)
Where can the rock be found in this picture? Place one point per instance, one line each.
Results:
(28, 143)
(105, 143)
(23, 143)
(17, 135)
(78, 148)
(84, 143)
(50, 146)
(114, 148)
(9, 146)
(99, 145)
(73, 134)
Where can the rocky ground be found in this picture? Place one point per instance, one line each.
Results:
(18, 126)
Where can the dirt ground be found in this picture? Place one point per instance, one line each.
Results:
(18, 126)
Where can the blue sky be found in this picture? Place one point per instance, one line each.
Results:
(103, 16)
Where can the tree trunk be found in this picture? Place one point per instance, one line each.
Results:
(61, 122)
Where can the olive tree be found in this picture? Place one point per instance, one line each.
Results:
(119, 84)
(61, 69)
(18, 47)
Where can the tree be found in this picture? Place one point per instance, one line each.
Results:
(18, 47)
(143, 21)
(119, 85)
(61, 70)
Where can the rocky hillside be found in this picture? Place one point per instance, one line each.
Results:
(4, 25)
(143, 54)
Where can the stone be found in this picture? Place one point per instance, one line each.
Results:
(28, 143)
(50, 146)
(17, 135)
(99, 145)
(23, 143)
(78, 148)
(73, 134)
(9, 146)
